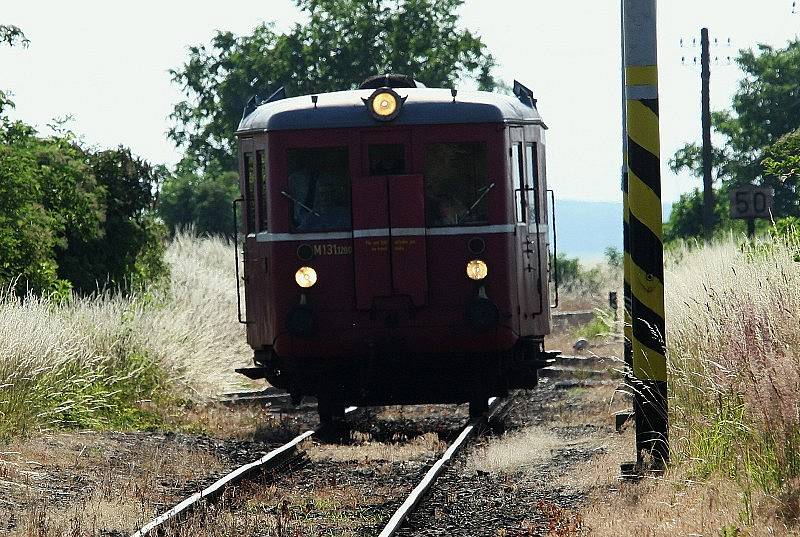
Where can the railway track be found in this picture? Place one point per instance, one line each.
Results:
(497, 407)
(279, 456)
(271, 460)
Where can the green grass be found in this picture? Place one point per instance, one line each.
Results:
(600, 326)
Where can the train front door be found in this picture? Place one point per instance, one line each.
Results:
(389, 225)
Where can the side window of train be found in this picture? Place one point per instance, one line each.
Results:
(517, 172)
(456, 184)
(532, 174)
(319, 188)
(249, 193)
(261, 181)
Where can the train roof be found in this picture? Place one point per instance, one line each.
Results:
(423, 106)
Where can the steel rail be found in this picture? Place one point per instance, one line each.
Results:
(216, 488)
(413, 499)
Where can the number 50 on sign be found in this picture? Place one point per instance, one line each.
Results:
(751, 202)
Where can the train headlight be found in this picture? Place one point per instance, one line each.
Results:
(305, 277)
(477, 270)
(384, 104)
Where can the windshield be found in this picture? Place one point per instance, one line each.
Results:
(457, 188)
(319, 188)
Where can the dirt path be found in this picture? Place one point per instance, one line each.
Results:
(520, 483)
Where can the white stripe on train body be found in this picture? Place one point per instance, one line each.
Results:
(386, 232)
(395, 232)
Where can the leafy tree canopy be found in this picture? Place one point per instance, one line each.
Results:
(765, 107)
(128, 250)
(343, 42)
(73, 218)
(12, 35)
(782, 173)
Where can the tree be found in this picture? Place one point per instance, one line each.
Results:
(128, 250)
(11, 35)
(782, 173)
(686, 216)
(614, 257)
(343, 42)
(765, 107)
(46, 188)
(200, 199)
(70, 217)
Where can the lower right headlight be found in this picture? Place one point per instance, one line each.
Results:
(483, 314)
(477, 269)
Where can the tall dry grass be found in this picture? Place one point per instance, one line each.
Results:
(194, 330)
(733, 337)
(90, 361)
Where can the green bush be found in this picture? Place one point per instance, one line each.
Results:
(74, 218)
(199, 199)
(572, 275)
(129, 250)
(601, 325)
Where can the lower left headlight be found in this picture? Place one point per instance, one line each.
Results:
(305, 277)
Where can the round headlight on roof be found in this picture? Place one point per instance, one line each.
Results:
(384, 104)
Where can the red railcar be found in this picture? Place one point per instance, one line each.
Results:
(396, 244)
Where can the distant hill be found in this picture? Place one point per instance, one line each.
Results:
(586, 228)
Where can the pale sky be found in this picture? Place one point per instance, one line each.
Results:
(105, 63)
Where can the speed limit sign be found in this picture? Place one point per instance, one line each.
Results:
(751, 202)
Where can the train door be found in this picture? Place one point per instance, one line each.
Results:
(525, 289)
(537, 228)
(389, 223)
(248, 186)
(524, 177)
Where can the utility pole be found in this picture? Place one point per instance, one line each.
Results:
(708, 186)
(646, 275)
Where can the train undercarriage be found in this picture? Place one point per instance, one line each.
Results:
(386, 376)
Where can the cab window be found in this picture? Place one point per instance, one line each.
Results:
(532, 174)
(518, 179)
(456, 184)
(249, 193)
(319, 188)
(261, 180)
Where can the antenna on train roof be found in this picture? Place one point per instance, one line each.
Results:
(279, 94)
(255, 101)
(524, 94)
(252, 104)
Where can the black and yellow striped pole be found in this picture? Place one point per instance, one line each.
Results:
(626, 246)
(646, 265)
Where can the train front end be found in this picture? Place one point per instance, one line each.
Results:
(395, 246)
